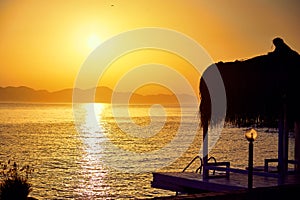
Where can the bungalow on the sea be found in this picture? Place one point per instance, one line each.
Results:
(260, 91)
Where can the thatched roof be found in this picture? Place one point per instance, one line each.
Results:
(257, 88)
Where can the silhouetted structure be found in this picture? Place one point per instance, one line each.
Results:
(257, 88)
(260, 91)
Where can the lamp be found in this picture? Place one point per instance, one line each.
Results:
(250, 135)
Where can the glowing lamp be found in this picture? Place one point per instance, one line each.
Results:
(251, 135)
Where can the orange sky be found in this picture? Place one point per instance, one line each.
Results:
(44, 43)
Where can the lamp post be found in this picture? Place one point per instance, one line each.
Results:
(250, 135)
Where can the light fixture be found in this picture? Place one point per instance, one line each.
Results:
(250, 135)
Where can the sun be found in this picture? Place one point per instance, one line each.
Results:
(93, 41)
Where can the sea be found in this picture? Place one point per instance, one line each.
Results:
(104, 151)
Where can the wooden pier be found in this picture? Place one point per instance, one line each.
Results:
(219, 177)
(190, 182)
(271, 98)
(276, 192)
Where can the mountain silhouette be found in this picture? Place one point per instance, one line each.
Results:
(103, 95)
(257, 88)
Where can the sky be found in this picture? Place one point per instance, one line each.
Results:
(43, 44)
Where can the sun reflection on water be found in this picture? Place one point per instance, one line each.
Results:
(93, 173)
(70, 164)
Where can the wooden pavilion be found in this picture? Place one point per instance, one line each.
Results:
(260, 91)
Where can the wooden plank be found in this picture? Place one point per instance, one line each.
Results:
(242, 171)
(190, 182)
(277, 192)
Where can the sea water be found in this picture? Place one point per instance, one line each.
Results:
(71, 159)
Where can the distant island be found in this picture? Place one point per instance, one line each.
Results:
(103, 95)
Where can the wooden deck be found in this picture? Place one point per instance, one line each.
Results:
(190, 182)
(278, 192)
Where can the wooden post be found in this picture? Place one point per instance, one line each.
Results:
(285, 140)
(283, 132)
(205, 149)
(250, 165)
(297, 144)
(280, 149)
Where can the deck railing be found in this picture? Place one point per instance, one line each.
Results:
(199, 169)
(216, 166)
(275, 160)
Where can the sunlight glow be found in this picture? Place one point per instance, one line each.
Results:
(93, 41)
(93, 115)
(94, 173)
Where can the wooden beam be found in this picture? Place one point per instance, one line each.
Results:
(297, 145)
(205, 148)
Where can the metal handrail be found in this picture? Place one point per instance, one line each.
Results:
(199, 168)
(212, 158)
